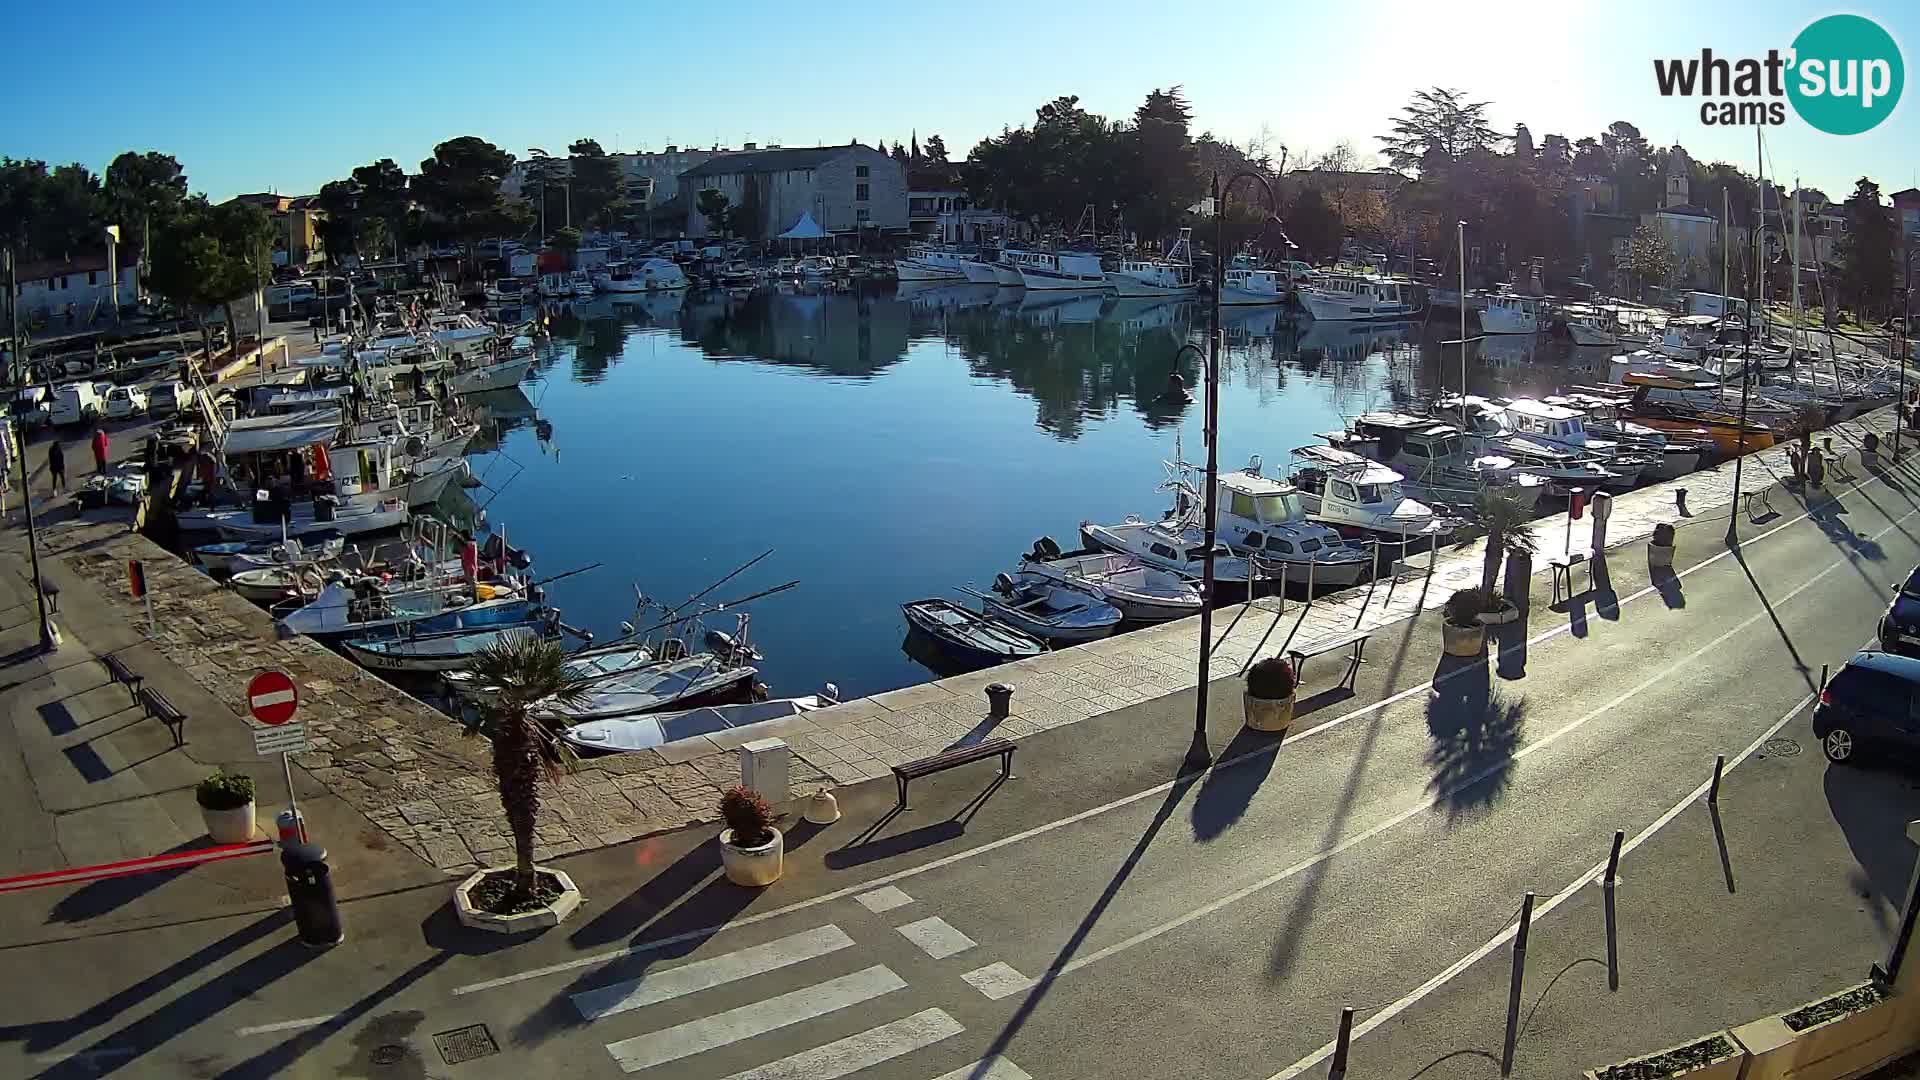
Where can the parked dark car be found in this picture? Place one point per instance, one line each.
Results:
(1870, 709)
(1900, 626)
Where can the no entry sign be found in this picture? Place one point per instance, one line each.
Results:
(271, 697)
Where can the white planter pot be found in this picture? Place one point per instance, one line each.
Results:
(233, 826)
(1268, 714)
(1658, 555)
(1462, 640)
(553, 913)
(752, 866)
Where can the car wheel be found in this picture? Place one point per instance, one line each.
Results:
(1838, 746)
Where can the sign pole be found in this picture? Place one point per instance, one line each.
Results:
(272, 698)
(293, 803)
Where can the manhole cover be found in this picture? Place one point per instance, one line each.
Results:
(1781, 747)
(390, 1054)
(465, 1044)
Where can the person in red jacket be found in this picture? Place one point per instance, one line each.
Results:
(99, 449)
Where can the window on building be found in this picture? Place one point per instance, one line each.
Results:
(860, 214)
(860, 170)
(93, 277)
(860, 193)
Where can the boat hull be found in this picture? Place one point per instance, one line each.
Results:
(501, 376)
(911, 270)
(980, 273)
(1049, 281)
(1126, 286)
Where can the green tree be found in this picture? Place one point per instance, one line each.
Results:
(1437, 128)
(143, 191)
(1650, 258)
(527, 674)
(1166, 176)
(1313, 225)
(546, 187)
(370, 238)
(567, 240)
(936, 150)
(210, 256)
(383, 193)
(712, 204)
(1505, 517)
(460, 184)
(1866, 252)
(339, 205)
(599, 185)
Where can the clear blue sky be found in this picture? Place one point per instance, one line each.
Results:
(285, 97)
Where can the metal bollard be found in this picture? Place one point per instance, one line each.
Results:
(999, 700)
(1680, 500)
(1338, 1071)
(1719, 766)
(1513, 990)
(292, 825)
(316, 914)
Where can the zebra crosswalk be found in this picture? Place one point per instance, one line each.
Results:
(821, 1010)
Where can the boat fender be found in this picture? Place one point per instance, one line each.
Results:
(1003, 584)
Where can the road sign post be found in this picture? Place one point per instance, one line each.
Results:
(137, 582)
(272, 698)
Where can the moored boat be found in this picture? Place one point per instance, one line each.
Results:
(1055, 615)
(968, 638)
(1142, 593)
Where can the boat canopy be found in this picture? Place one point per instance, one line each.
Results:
(266, 434)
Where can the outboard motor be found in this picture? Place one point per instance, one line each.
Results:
(1044, 549)
(1003, 584)
(415, 446)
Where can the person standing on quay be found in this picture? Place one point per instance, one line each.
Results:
(100, 445)
(57, 465)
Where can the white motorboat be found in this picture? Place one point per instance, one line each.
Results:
(581, 283)
(272, 584)
(1434, 457)
(439, 652)
(1560, 426)
(1142, 593)
(654, 687)
(1338, 297)
(1262, 518)
(1687, 337)
(1252, 286)
(599, 663)
(501, 376)
(230, 556)
(980, 271)
(1169, 275)
(1362, 497)
(366, 608)
(460, 335)
(1063, 271)
(1174, 544)
(302, 520)
(509, 290)
(816, 268)
(555, 286)
(1675, 454)
(932, 262)
(1604, 324)
(661, 275)
(1055, 615)
(1007, 265)
(658, 729)
(1511, 313)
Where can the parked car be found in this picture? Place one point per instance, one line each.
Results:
(169, 398)
(126, 402)
(1870, 709)
(76, 403)
(1900, 626)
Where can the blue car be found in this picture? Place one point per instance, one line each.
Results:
(1900, 626)
(1870, 710)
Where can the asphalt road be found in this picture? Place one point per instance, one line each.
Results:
(1100, 916)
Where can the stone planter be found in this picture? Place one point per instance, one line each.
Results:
(1268, 714)
(1844, 1045)
(752, 866)
(1723, 1064)
(1507, 613)
(1659, 555)
(552, 914)
(233, 826)
(1463, 640)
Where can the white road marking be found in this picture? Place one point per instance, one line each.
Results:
(856, 1052)
(995, 1069)
(936, 937)
(1042, 829)
(1492, 769)
(997, 981)
(883, 899)
(721, 1029)
(657, 986)
(1413, 997)
(284, 1025)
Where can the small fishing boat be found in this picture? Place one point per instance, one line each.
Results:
(690, 680)
(599, 663)
(500, 376)
(364, 609)
(1055, 615)
(231, 556)
(1142, 593)
(658, 729)
(969, 638)
(440, 652)
(272, 584)
(1176, 544)
(305, 520)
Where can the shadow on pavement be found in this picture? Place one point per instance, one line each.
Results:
(1606, 602)
(1668, 585)
(1800, 665)
(1474, 731)
(371, 1043)
(1510, 648)
(100, 897)
(1231, 785)
(1872, 808)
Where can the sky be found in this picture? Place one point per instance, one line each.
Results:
(284, 98)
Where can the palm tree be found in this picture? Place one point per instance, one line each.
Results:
(526, 670)
(1505, 518)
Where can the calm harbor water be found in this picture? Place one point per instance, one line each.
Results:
(896, 443)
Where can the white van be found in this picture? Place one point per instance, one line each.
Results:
(168, 398)
(76, 403)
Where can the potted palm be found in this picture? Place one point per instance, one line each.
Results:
(1505, 518)
(1660, 546)
(751, 849)
(1461, 631)
(529, 673)
(226, 805)
(1269, 695)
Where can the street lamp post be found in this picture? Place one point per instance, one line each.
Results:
(49, 637)
(1198, 754)
(1906, 349)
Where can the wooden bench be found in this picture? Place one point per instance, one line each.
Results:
(948, 759)
(1562, 566)
(119, 672)
(1356, 640)
(161, 709)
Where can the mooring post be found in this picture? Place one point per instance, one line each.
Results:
(1340, 1044)
(1513, 990)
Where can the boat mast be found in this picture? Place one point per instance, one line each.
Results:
(1463, 330)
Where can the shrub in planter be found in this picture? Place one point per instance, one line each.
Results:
(1715, 1057)
(1660, 545)
(1269, 695)
(1461, 632)
(226, 805)
(751, 849)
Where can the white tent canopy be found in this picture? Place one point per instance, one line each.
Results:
(805, 229)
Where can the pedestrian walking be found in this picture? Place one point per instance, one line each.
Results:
(100, 446)
(57, 465)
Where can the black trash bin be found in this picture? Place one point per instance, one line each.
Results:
(316, 914)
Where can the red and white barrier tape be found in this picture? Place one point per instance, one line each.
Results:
(176, 860)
